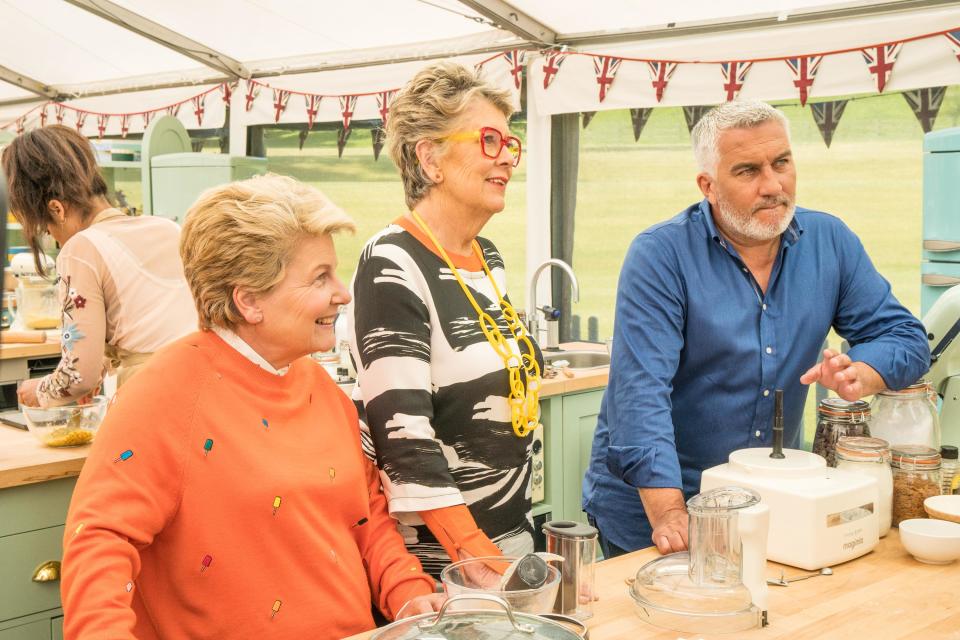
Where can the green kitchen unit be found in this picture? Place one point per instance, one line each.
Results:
(178, 178)
(32, 520)
(569, 421)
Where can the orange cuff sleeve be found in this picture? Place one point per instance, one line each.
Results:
(455, 529)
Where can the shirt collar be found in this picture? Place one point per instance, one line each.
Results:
(790, 237)
(107, 214)
(247, 351)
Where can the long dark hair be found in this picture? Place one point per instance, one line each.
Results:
(51, 163)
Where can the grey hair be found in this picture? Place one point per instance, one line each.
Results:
(744, 114)
(428, 109)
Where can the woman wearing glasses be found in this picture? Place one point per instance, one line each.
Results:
(447, 376)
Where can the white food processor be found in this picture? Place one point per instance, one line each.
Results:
(718, 586)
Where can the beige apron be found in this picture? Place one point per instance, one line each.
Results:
(124, 363)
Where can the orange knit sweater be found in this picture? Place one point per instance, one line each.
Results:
(220, 500)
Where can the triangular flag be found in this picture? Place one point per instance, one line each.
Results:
(516, 59)
(804, 70)
(606, 68)
(587, 117)
(174, 109)
(198, 107)
(253, 90)
(226, 91)
(954, 38)
(660, 73)
(551, 66)
(925, 104)
(734, 75)
(342, 136)
(147, 116)
(313, 107)
(880, 61)
(384, 98)
(693, 113)
(43, 116)
(639, 119)
(303, 137)
(124, 124)
(58, 111)
(19, 125)
(379, 137)
(348, 105)
(102, 120)
(81, 120)
(280, 99)
(827, 116)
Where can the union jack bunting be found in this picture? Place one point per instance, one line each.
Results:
(313, 107)
(383, 105)
(280, 99)
(226, 91)
(43, 116)
(925, 104)
(19, 125)
(347, 106)
(81, 119)
(515, 59)
(639, 119)
(58, 112)
(880, 62)
(954, 38)
(606, 68)
(124, 124)
(147, 117)
(660, 73)
(804, 70)
(827, 116)
(253, 90)
(102, 120)
(734, 75)
(551, 67)
(342, 137)
(173, 110)
(379, 137)
(693, 113)
(198, 107)
(587, 117)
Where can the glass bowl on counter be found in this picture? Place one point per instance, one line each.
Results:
(457, 580)
(71, 425)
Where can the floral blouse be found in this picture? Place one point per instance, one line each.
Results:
(121, 284)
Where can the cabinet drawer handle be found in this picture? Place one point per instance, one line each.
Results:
(49, 571)
(941, 245)
(938, 280)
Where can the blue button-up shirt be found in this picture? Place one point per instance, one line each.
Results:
(699, 350)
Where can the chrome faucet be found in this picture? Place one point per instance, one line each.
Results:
(533, 323)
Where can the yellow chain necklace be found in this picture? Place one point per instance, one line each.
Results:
(524, 400)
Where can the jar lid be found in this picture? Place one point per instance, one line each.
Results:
(921, 386)
(861, 448)
(948, 452)
(840, 409)
(914, 454)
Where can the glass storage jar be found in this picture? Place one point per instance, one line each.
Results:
(916, 477)
(870, 457)
(908, 416)
(837, 417)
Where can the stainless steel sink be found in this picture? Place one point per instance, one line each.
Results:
(579, 359)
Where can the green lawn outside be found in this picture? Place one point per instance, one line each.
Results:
(871, 178)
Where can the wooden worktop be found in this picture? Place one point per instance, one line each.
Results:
(24, 460)
(570, 381)
(885, 594)
(13, 350)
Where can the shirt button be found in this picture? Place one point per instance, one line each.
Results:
(757, 434)
(766, 392)
(744, 269)
(764, 307)
(769, 349)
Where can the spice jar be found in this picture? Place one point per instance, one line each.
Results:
(870, 457)
(908, 416)
(837, 417)
(916, 477)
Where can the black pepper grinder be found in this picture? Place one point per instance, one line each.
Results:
(777, 453)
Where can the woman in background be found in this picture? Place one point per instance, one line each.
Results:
(446, 375)
(121, 282)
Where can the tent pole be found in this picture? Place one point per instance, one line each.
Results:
(537, 158)
(564, 155)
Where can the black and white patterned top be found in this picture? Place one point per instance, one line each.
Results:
(432, 392)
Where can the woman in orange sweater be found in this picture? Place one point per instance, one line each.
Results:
(226, 494)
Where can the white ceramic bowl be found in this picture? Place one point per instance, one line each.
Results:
(943, 507)
(931, 541)
(68, 426)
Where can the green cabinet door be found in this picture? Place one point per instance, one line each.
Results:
(56, 628)
(580, 411)
(39, 630)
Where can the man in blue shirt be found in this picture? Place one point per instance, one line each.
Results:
(717, 308)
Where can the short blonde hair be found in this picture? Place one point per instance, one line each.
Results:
(243, 234)
(428, 108)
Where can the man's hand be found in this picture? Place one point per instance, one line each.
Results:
(422, 604)
(851, 380)
(27, 392)
(667, 513)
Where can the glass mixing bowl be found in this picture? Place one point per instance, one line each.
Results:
(456, 581)
(68, 426)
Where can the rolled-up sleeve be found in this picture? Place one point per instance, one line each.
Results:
(881, 332)
(648, 339)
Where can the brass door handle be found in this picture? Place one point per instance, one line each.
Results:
(49, 571)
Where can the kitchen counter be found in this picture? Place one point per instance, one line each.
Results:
(570, 380)
(13, 350)
(884, 594)
(24, 460)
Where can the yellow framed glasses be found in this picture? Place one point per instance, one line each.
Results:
(492, 142)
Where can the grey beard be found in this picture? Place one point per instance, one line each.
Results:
(744, 224)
